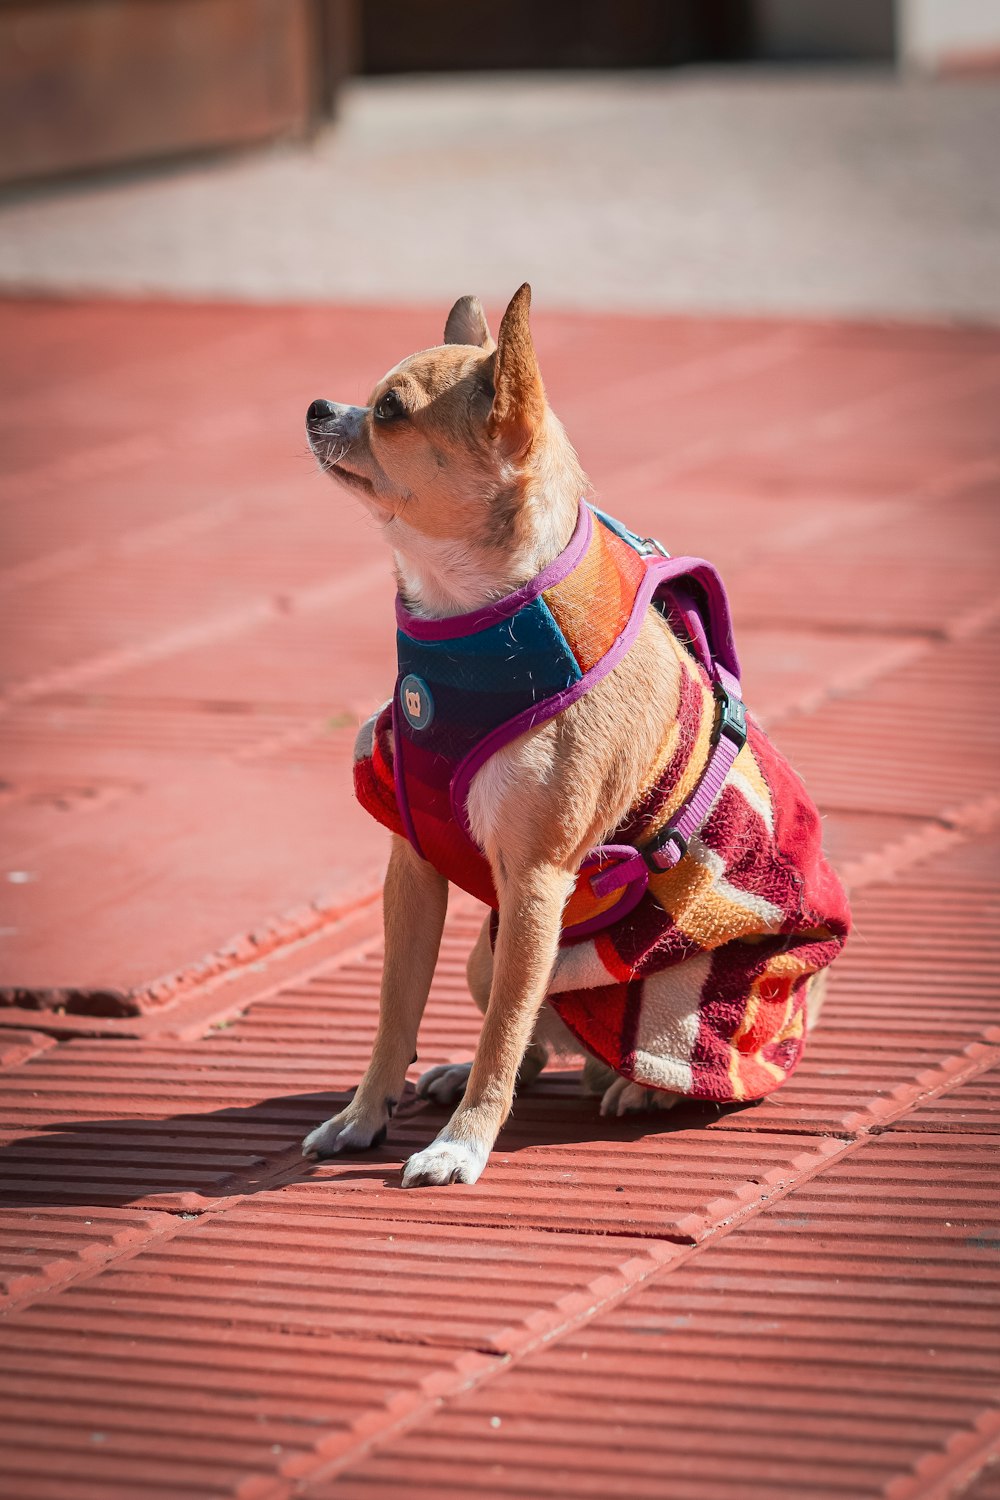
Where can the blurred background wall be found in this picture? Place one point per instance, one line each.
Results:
(91, 83)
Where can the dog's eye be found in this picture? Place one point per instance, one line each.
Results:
(389, 408)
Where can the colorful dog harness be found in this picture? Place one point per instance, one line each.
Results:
(691, 935)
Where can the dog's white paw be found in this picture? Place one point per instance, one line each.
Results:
(348, 1131)
(624, 1098)
(445, 1083)
(445, 1161)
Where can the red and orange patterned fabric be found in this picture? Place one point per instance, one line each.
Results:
(698, 987)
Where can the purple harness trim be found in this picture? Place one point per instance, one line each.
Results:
(696, 606)
(452, 626)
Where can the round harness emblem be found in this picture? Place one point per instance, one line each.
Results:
(416, 702)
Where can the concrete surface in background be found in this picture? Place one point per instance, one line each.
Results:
(841, 192)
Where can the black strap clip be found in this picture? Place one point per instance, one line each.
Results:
(663, 838)
(732, 721)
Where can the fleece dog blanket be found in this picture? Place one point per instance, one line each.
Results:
(690, 978)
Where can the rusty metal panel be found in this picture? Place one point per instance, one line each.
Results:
(87, 83)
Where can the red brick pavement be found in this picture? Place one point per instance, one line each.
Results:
(797, 1299)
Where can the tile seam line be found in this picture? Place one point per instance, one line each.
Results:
(947, 1471)
(640, 1269)
(775, 345)
(682, 1249)
(212, 971)
(207, 630)
(228, 962)
(140, 540)
(210, 345)
(160, 1233)
(927, 840)
(837, 421)
(645, 1268)
(254, 612)
(183, 992)
(951, 484)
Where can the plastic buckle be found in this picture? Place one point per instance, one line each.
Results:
(732, 720)
(668, 836)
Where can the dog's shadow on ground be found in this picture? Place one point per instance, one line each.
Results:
(187, 1161)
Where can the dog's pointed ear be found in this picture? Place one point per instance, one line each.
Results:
(467, 325)
(519, 396)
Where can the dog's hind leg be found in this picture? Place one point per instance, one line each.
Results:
(618, 1095)
(625, 1098)
(446, 1083)
(596, 1077)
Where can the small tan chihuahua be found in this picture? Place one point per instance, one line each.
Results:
(479, 495)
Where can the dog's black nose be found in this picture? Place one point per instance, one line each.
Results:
(320, 409)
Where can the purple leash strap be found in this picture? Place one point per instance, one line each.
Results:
(669, 846)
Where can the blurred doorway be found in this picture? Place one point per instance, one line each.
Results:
(396, 36)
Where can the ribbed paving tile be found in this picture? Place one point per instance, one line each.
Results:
(919, 574)
(985, 1485)
(559, 1166)
(198, 1311)
(907, 744)
(839, 1341)
(555, 1158)
(186, 1125)
(914, 993)
(825, 411)
(182, 833)
(427, 1284)
(912, 432)
(18, 1046)
(180, 589)
(122, 1123)
(252, 1339)
(39, 1246)
(973, 1108)
(915, 988)
(187, 589)
(112, 1408)
(330, 1017)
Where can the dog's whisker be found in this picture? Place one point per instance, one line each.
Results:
(332, 458)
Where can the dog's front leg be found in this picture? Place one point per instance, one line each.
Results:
(414, 900)
(527, 941)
